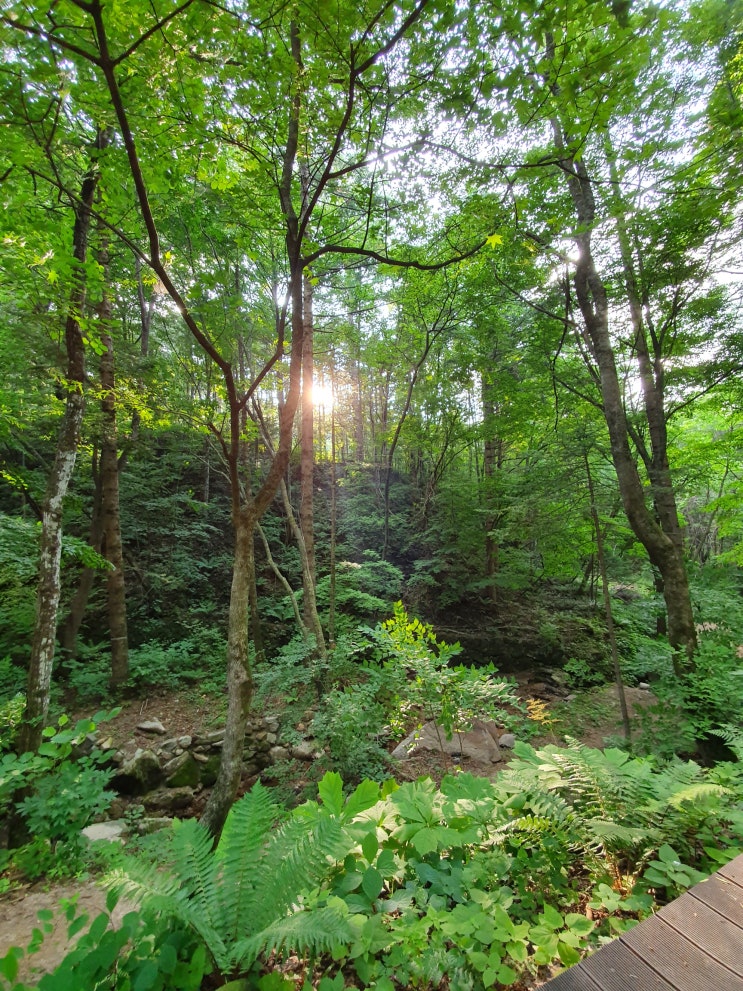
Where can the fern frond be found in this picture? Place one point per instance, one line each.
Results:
(312, 931)
(296, 860)
(164, 893)
(241, 848)
(695, 792)
(195, 866)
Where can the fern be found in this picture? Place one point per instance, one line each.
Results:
(247, 895)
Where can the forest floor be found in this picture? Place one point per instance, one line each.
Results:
(593, 717)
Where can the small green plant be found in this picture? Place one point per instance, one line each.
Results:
(419, 671)
(349, 724)
(61, 795)
(140, 952)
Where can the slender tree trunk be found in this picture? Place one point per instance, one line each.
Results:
(333, 514)
(49, 585)
(601, 558)
(490, 468)
(112, 547)
(307, 461)
(69, 630)
(239, 679)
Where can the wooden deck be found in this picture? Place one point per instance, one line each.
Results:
(693, 944)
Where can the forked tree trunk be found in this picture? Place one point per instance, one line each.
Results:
(49, 584)
(660, 535)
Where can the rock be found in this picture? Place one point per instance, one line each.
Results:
(112, 830)
(479, 743)
(644, 684)
(210, 769)
(153, 825)
(185, 742)
(272, 724)
(182, 770)
(168, 799)
(201, 758)
(271, 738)
(305, 750)
(138, 774)
(508, 740)
(152, 726)
(571, 697)
(209, 739)
(277, 754)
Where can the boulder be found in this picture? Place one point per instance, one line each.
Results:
(112, 830)
(479, 743)
(152, 726)
(182, 770)
(138, 773)
(507, 740)
(277, 754)
(168, 799)
(305, 750)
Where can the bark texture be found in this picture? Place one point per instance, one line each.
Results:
(48, 588)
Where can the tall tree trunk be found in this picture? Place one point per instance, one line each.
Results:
(307, 461)
(69, 630)
(49, 584)
(239, 678)
(111, 522)
(660, 537)
(619, 681)
(491, 457)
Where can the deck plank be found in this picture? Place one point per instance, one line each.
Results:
(693, 944)
(721, 894)
(679, 960)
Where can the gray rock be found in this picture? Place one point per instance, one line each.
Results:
(271, 738)
(152, 726)
(168, 799)
(272, 724)
(277, 754)
(184, 741)
(508, 740)
(305, 750)
(138, 774)
(210, 739)
(643, 684)
(153, 825)
(182, 770)
(478, 743)
(112, 830)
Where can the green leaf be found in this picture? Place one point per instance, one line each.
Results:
(330, 791)
(369, 846)
(507, 975)
(372, 882)
(567, 954)
(426, 840)
(551, 918)
(363, 798)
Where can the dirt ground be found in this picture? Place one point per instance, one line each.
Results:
(592, 719)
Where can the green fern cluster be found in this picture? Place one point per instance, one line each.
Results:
(249, 895)
(618, 809)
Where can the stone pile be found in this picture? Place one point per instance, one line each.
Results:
(167, 774)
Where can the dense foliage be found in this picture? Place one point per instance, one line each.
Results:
(320, 317)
